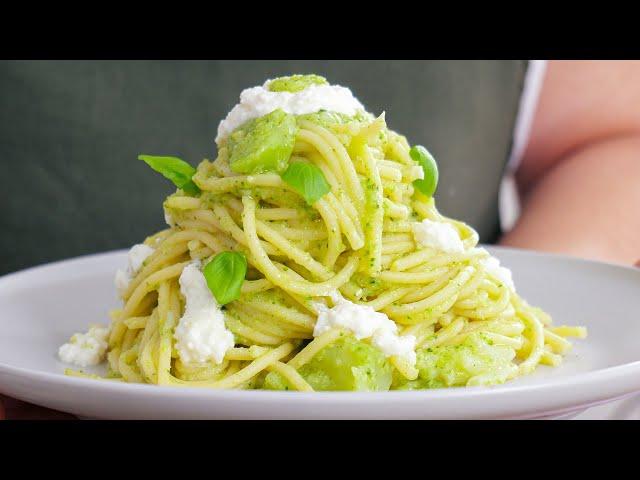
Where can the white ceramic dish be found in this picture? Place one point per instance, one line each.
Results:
(626, 409)
(41, 307)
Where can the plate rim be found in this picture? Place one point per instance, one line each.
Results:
(619, 378)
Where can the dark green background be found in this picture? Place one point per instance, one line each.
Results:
(71, 131)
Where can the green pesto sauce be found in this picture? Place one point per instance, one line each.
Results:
(327, 119)
(265, 144)
(295, 83)
(454, 365)
(347, 364)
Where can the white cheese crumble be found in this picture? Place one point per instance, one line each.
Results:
(201, 334)
(493, 267)
(137, 255)
(364, 322)
(438, 235)
(86, 349)
(259, 101)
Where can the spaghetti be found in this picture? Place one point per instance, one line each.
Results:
(354, 244)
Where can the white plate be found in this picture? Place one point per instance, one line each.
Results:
(625, 409)
(41, 307)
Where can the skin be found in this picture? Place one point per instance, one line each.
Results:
(578, 179)
(579, 175)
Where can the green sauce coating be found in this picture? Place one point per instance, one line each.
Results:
(347, 364)
(295, 83)
(326, 118)
(476, 361)
(263, 144)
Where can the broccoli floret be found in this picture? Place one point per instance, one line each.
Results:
(476, 361)
(347, 364)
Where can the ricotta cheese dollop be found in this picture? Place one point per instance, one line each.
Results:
(86, 349)
(201, 334)
(493, 267)
(259, 101)
(364, 322)
(137, 255)
(437, 235)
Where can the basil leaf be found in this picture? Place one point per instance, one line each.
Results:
(429, 183)
(225, 275)
(174, 169)
(306, 179)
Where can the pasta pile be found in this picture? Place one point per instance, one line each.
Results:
(357, 242)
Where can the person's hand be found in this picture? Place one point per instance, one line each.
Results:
(12, 409)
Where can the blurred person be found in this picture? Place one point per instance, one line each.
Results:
(579, 174)
(570, 185)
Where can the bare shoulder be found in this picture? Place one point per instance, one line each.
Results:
(581, 102)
